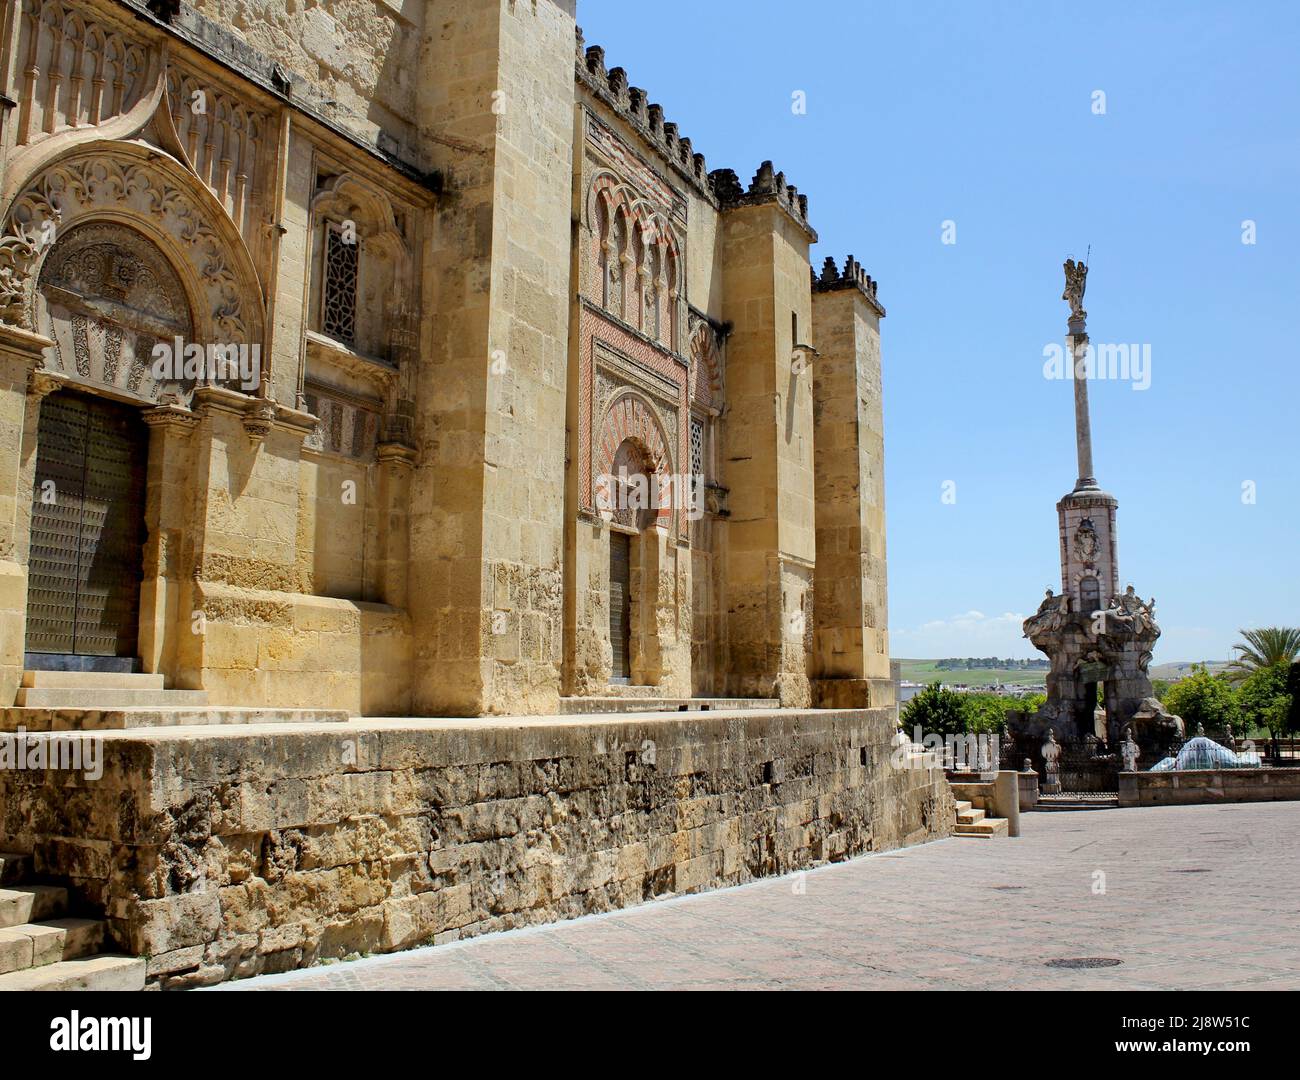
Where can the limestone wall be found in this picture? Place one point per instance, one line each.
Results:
(361, 55)
(228, 853)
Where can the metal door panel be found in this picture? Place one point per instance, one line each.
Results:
(620, 573)
(87, 528)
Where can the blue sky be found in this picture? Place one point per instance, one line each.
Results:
(982, 114)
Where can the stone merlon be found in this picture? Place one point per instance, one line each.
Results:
(851, 277)
(632, 103)
(767, 186)
(720, 186)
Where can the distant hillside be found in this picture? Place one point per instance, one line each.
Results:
(947, 671)
(953, 671)
(1181, 669)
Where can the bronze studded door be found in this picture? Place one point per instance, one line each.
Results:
(83, 591)
(620, 626)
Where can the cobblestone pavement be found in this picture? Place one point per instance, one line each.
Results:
(1182, 895)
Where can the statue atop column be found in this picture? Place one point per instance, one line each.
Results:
(1076, 284)
(1098, 637)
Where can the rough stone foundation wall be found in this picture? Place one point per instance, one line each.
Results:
(229, 853)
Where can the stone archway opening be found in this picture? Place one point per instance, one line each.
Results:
(635, 492)
(106, 297)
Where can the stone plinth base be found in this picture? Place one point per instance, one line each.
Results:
(853, 693)
(1208, 786)
(229, 851)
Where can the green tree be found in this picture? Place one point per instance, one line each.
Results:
(1264, 648)
(1030, 703)
(988, 712)
(1265, 700)
(937, 711)
(1204, 699)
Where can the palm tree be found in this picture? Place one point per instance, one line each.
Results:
(1264, 647)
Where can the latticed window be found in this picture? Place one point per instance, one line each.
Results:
(697, 452)
(339, 304)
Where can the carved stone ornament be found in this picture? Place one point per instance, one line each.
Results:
(1086, 541)
(1076, 283)
(259, 420)
(88, 185)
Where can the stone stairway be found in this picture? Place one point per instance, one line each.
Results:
(973, 822)
(105, 700)
(99, 690)
(41, 948)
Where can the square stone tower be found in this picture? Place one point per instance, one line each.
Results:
(850, 636)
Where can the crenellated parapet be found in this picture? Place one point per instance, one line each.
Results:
(851, 277)
(767, 186)
(720, 187)
(633, 105)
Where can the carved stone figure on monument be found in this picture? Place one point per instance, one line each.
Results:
(1086, 541)
(1076, 283)
(1129, 751)
(1051, 766)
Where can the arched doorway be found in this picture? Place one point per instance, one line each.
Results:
(635, 498)
(106, 297)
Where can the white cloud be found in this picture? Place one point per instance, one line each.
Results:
(971, 633)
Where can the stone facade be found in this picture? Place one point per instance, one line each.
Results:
(476, 278)
(260, 849)
(383, 358)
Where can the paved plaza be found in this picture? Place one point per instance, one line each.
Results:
(1193, 897)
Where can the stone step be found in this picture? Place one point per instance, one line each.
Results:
(585, 706)
(29, 945)
(985, 830)
(962, 806)
(31, 903)
(34, 720)
(14, 867)
(969, 817)
(91, 680)
(86, 697)
(104, 972)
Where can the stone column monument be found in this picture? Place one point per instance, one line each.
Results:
(1094, 635)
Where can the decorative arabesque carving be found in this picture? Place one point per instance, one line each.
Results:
(108, 296)
(92, 183)
(706, 362)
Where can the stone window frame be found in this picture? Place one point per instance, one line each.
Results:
(384, 260)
